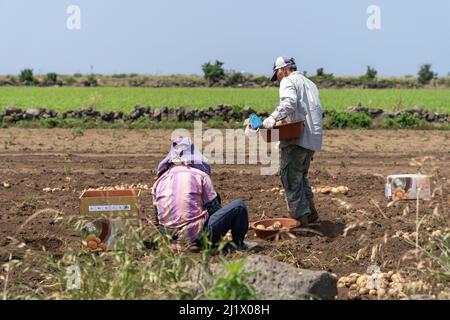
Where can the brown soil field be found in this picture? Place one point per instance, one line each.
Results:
(350, 225)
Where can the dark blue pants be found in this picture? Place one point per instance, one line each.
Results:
(234, 217)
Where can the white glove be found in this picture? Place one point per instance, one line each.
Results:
(269, 122)
(249, 132)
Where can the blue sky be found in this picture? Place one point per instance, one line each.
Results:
(176, 36)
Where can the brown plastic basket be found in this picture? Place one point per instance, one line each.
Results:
(287, 131)
(287, 225)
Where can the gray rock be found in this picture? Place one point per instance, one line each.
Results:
(157, 114)
(134, 115)
(118, 115)
(197, 114)
(33, 113)
(358, 108)
(441, 117)
(48, 113)
(181, 114)
(107, 115)
(172, 115)
(416, 110)
(139, 109)
(374, 112)
(8, 119)
(430, 116)
(91, 113)
(276, 280)
(190, 114)
(12, 110)
(61, 115)
(165, 114)
(390, 114)
(137, 112)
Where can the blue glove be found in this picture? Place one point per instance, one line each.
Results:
(255, 121)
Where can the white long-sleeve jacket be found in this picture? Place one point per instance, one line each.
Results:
(299, 100)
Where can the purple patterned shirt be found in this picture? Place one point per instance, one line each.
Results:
(180, 196)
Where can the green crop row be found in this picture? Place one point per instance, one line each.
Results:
(124, 99)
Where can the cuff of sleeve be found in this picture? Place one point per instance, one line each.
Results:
(275, 115)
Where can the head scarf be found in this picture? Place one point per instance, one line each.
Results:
(183, 151)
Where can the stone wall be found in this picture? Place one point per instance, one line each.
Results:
(220, 112)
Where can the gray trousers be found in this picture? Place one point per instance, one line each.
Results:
(294, 166)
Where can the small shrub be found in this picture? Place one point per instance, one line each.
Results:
(235, 78)
(371, 73)
(70, 81)
(26, 75)
(214, 72)
(425, 74)
(91, 81)
(49, 123)
(344, 120)
(407, 120)
(321, 75)
(52, 77)
(136, 82)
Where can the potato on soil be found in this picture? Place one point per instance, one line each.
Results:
(91, 237)
(363, 291)
(325, 190)
(361, 279)
(342, 189)
(277, 225)
(381, 293)
(92, 245)
(353, 295)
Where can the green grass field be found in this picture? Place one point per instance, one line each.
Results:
(113, 99)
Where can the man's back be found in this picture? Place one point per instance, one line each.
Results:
(180, 195)
(307, 107)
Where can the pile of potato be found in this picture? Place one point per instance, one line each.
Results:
(121, 187)
(48, 189)
(411, 236)
(93, 243)
(390, 283)
(432, 234)
(280, 191)
(276, 226)
(333, 190)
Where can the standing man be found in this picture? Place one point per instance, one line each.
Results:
(299, 100)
